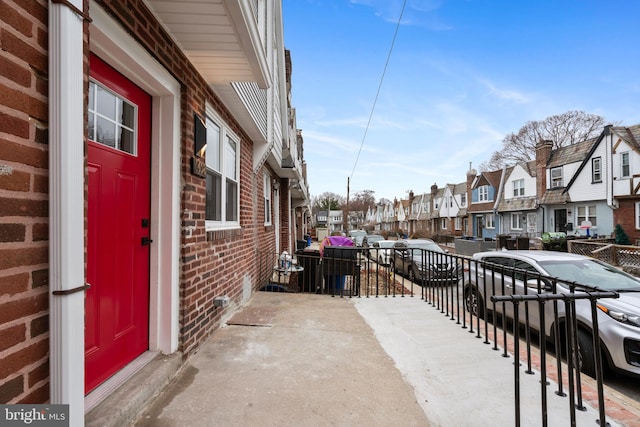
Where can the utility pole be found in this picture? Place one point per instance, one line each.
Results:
(347, 215)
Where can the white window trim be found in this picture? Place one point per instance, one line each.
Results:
(597, 170)
(637, 215)
(225, 134)
(559, 180)
(622, 173)
(516, 222)
(268, 199)
(490, 221)
(483, 193)
(518, 188)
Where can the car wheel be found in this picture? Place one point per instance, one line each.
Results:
(586, 355)
(473, 302)
(412, 275)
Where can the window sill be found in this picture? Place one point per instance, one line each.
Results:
(214, 235)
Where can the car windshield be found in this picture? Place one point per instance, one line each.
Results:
(429, 246)
(385, 244)
(593, 273)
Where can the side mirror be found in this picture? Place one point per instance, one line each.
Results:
(544, 285)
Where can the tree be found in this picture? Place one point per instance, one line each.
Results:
(327, 201)
(562, 129)
(620, 236)
(362, 200)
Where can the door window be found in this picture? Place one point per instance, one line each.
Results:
(112, 119)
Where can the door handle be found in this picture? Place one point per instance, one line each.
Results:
(146, 241)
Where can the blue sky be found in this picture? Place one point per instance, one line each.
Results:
(462, 75)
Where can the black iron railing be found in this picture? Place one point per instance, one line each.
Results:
(475, 294)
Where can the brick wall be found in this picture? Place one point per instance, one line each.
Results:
(23, 203)
(625, 216)
(213, 263)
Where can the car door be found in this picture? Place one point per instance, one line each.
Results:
(524, 281)
(493, 279)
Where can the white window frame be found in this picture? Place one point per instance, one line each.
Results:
(463, 200)
(625, 165)
(518, 188)
(458, 223)
(637, 215)
(516, 221)
(587, 213)
(483, 193)
(489, 221)
(267, 199)
(556, 177)
(596, 169)
(443, 223)
(226, 136)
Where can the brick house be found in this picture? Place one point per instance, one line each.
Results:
(145, 160)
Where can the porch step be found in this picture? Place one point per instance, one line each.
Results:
(122, 405)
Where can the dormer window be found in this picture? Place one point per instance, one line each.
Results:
(556, 177)
(596, 169)
(483, 193)
(624, 165)
(518, 188)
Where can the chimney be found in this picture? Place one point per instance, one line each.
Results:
(543, 154)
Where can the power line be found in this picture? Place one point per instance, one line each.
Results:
(373, 107)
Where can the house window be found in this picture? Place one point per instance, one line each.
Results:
(267, 199)
(450, 201)
(624, 164)
(443, 223)
(483, 193)
(638, 215)
(458, 223)
(518, 188)
(596, 169)
(222, 158)
(489, 221)
(463, 200)
(556, 177)
(587, 213)
(435, 206)
(516, 221)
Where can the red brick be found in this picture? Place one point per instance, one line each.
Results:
(40, 184)
(12, 232)
(19, 257)
(38, 374)
(11, 389)
(39, 326)
(21, 101)
(16, 20)
(12, 336)
(24, 207)
(16, 362)
(14, 125)
(37, 396)
(20, 308)
(14, 180)
(15, 72)
(40, 278)
(18, 47)
(40, 232)
(15, 284)
(19, 153)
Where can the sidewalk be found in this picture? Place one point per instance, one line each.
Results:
(314, 360)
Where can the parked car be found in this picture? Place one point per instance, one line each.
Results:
(357, 236)
(381, 251)
(423, 261)
(618, 318)
(368, 240)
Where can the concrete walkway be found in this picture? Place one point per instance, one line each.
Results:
(314, 360)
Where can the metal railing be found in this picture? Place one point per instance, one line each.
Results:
(475, 294)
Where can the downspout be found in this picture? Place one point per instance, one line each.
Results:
(66, 207)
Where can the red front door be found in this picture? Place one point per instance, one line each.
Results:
(117, 303)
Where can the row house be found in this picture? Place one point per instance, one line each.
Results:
(449, 214)
(149, 151)
(583, 189)
(484, 190)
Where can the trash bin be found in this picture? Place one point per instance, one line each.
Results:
(338, 263)
(300, 245)
(309, 280)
